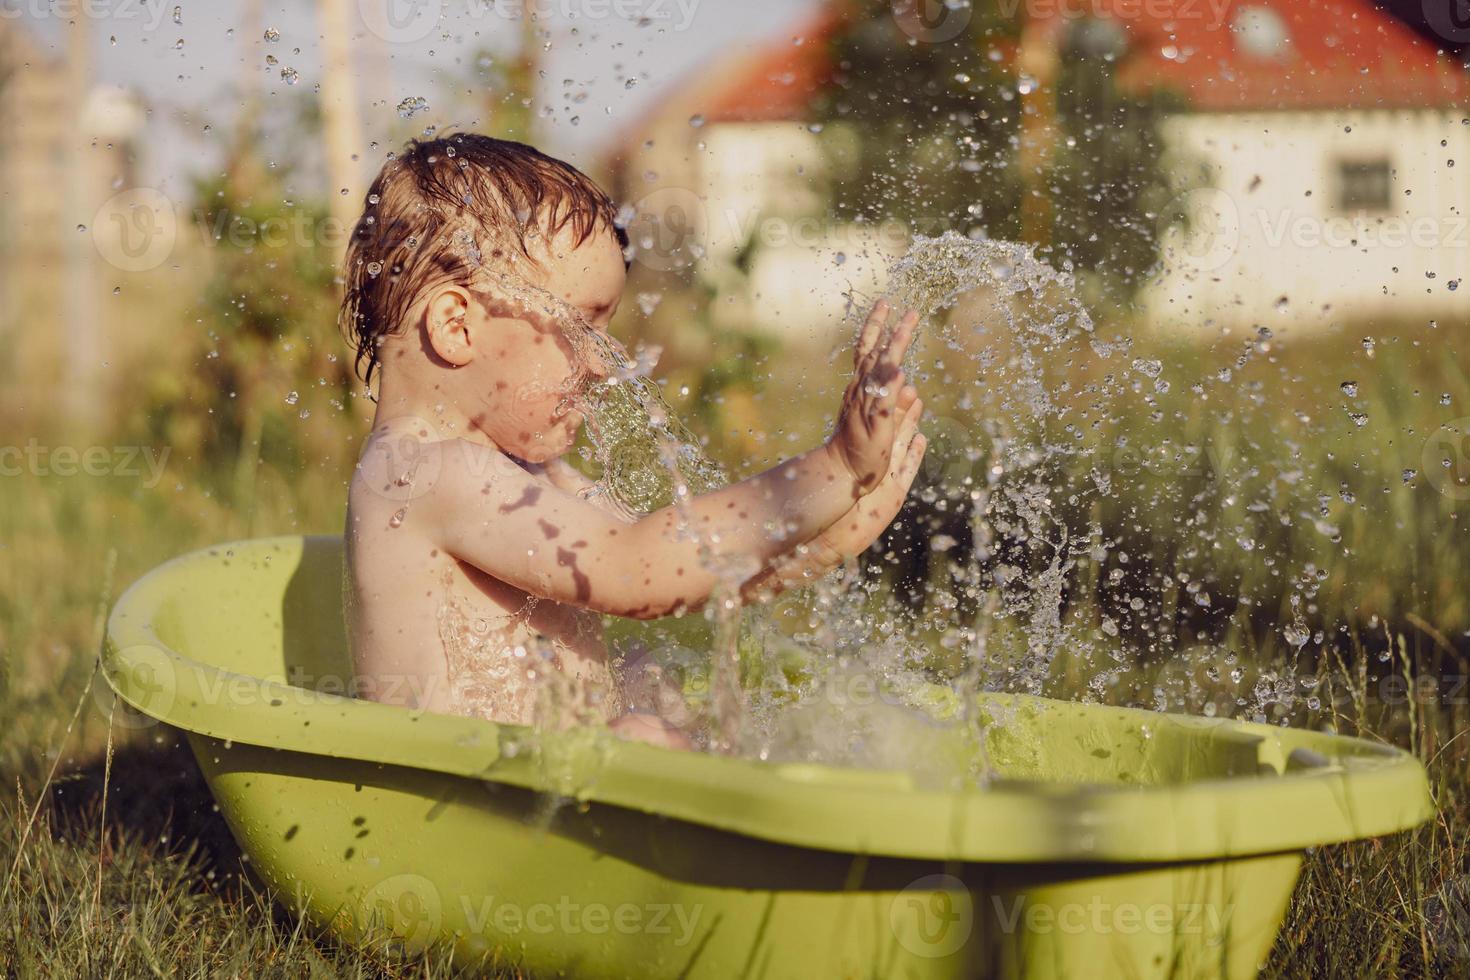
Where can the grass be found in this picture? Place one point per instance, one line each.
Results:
(117, 865)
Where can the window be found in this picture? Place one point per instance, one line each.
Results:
(1260, 32)
(1362, 185)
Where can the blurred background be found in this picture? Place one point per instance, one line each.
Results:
(1259, 202)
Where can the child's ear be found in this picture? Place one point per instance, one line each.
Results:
(446, 321)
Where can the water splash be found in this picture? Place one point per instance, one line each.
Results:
(1031, 410)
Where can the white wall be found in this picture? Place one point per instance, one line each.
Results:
(1268, 224)
(763, 182)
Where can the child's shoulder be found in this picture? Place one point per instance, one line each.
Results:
(410, 458)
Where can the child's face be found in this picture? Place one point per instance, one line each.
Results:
(529, 375)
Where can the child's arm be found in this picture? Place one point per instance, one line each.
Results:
(851, 535)
(491, 513)
(567, 477)
(841, 541)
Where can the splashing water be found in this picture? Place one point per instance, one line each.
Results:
(1020, 471)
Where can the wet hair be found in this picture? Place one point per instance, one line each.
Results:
(441, 212)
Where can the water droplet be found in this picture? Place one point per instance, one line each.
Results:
(696, 120)
(397, 519)
(272, 35)
(290, 76)
(1146, 366)
(1349, 388)
(411, 105)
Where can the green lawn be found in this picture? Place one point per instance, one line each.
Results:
(144, 880)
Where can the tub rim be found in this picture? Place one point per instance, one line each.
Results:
(1355, 788)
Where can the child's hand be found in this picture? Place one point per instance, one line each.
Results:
(876, 399)
(870, 516)
(863, 523)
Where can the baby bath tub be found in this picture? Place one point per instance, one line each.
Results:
(1115, 842)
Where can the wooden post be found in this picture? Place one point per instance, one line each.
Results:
(83, 338)
(1037, 60)
(341, 122)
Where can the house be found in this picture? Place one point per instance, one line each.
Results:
(728, 176)
(1314, 168)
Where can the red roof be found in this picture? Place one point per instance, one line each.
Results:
(1218, 53)
(1278, 54)
(780, 81)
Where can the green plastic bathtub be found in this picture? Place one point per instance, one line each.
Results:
(1117, 842)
